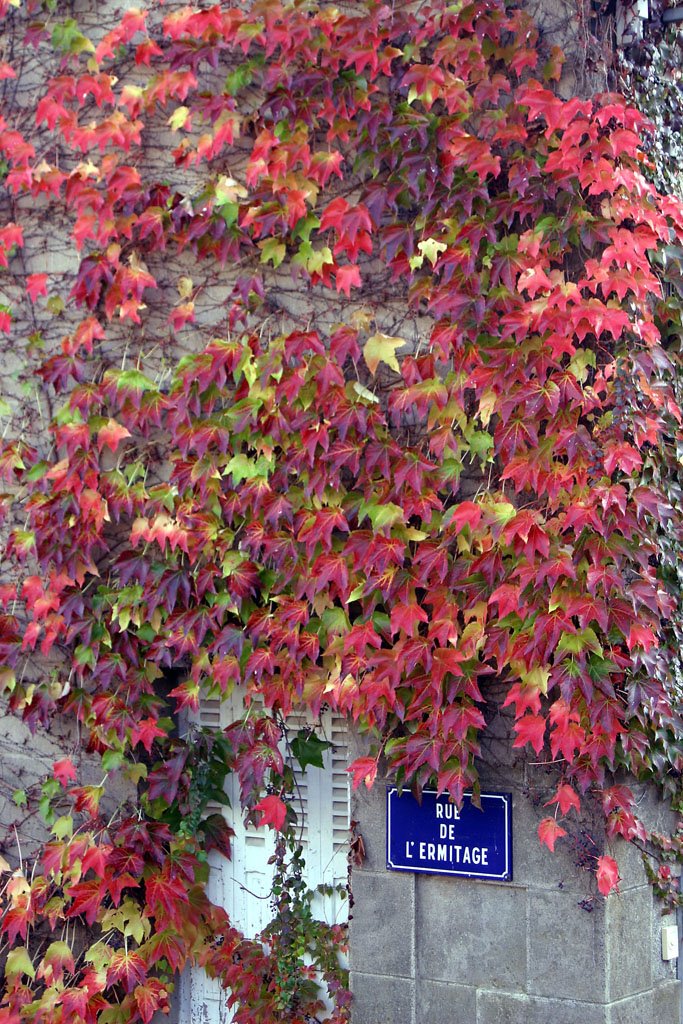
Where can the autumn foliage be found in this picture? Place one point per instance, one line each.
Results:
(439, 478)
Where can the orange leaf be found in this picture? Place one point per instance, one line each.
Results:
(566, 797)
(607, 875)
(549, 832)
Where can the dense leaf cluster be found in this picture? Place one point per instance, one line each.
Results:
(432, 476)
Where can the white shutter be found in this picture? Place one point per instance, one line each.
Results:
(242, 885)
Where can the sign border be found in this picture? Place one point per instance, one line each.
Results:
(506, 877)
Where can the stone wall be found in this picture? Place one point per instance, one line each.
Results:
(545, 948)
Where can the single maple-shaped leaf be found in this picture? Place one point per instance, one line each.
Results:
(467, 513)
(19, 962)
(36, 284)
(217, 834)
(567, 797)
(150, 998)
(607, 874)
(111, 435)
(363, 769)
(57, 960)
(127, 969)
(549, 832)
(273, 812)
(64, 771)
(530, 729)
(381, 348)
(347, 277)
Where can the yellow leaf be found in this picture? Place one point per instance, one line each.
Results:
(185, 287)
(381, 348)
(227, 190)
(487, 404)
(178, 118)
(430, 248)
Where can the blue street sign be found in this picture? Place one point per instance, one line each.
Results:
(434, 836)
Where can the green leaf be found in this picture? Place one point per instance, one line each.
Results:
(272, 251)
(383, 515)
(308, 749)
(133, 380)
(19, 962)
(580, 362)
(111, 760)
(575, 643)
(63, 826)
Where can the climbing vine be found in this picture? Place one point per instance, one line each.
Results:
(344, 378)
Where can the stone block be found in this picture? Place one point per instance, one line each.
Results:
(533, 864)
(369, 809)
(629, 943)
(471, 931)
(504, 1008)
(381, 929)
(378, 1000)
(567, 957)
(634, 1010)
(439, 1003)
(666, 1003)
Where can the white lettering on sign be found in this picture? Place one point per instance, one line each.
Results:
(447, 811)
(457, 854)
(409, 843)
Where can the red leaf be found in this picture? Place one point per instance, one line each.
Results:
(127, 969)
(64, 771)
(566, 797)
(273, 811)
(407, 617)
(364, 769)
(549, 832)
(607, 875)
(150, 998)
(348, 276)
(530, 729)
(641, 636)
(217, 834)
(36, 284)
(467, 513)
(87, 899)
(111, 435)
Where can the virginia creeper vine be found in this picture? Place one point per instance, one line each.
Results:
(354, 399)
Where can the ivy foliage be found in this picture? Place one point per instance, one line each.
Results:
(438, 474)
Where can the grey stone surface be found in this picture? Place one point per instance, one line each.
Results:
(369, 809)
(471, 931)
(634, 1010)
(666, 1003)
(458, 951)
(381, 931)
(630, 947)
(533, 864)
(378, 1000)
(504, 1008)
(566, 948)
(439, 1003)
